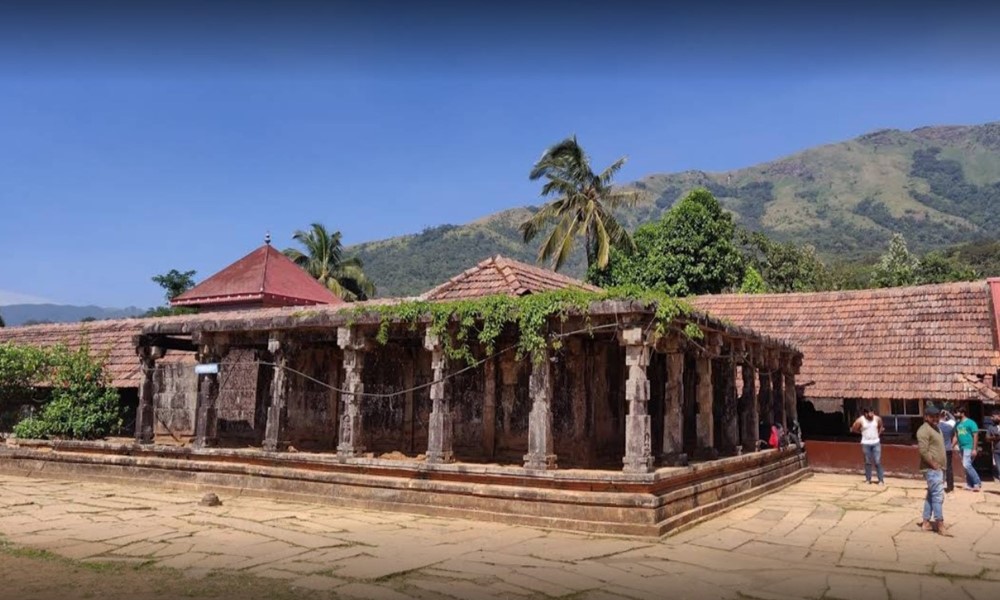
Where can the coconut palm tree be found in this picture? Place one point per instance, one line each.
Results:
(583, 205)
(324, 259)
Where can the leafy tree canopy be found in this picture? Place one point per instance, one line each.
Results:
(784, 267)
(897, 267)
(690, 250)
(175, 283)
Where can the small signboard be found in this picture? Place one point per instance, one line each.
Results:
(207, 369)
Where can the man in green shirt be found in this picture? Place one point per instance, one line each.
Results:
(967, 434)
(932, 457)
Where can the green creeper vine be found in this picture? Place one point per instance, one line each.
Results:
(483, 319)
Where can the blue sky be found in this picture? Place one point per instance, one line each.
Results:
(136, 140)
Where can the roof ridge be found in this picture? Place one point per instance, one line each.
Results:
(263, 276)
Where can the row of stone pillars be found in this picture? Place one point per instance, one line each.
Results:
(740, 415)
(774, 399)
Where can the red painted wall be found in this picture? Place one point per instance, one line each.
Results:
(896, 459)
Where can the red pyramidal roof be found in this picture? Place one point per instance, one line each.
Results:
(265, 277)
(500, 275)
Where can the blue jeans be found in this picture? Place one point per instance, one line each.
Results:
(934, 502)
(873, 456)
(971, 477)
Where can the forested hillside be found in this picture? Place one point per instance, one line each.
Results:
(938, 186)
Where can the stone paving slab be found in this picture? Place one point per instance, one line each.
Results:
(828, 537)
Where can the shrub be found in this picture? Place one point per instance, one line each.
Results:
(82, 405)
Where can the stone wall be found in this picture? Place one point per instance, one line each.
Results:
(238, 380)
(175, 399)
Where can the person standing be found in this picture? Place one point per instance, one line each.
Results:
(869, 425)
(932, 456)
(947, 428)
(967, 434)
(993, 437)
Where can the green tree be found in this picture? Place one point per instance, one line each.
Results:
(2, 324)
(324, 259)
(784, 267)
(82, 405)
(939, 267)
(752, 283)
(690, 250)
(897, 267)
(175, 283)
(583, 204)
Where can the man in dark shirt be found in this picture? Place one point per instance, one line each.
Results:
(932, 457)
(993, 437)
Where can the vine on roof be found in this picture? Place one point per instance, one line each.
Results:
(460, 323)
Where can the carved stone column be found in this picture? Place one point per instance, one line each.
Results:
(510, 368)
(673, 407)
(409, 380)
(352, 341)
(730, 409)
(489, 406)
(638, 424)
(764, 396)
(277, 410)
(778, 397)
(705, 443)
(145, 416)
(790, 366)
(749, 413)
(441, 429)
(541, 454)
(333, 380)
(206, 417)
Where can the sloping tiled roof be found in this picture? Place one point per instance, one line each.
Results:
(264, 276)
(917, 342)
(499, 275)
(109, 340)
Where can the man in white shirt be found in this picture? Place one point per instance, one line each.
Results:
(869, 425)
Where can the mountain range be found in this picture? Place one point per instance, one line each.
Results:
(19, 314)
(936, 185)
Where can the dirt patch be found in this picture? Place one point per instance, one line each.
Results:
(39, 575)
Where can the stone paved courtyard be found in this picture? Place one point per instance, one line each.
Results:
(830, 536)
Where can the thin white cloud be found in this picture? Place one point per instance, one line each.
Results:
(7, 298)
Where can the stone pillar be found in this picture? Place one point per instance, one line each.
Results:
(440, 429)
(705, 442)
(409, 381)
(778, 398)
(541, 453)
(277, 411)
(577, 368)
(206, 416)
(764, 398)
(730, 414)
(791, 396)
(489, 406)
(509, 370)
(145, 416)
(750, 414)
(333, 380)
(673, 409)
(638, 424)
(352, 342)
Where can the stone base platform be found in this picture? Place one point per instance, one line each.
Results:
(610, 502)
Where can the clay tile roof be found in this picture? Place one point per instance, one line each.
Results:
(264, 276)
(499, 275)
(108, 340)
(931, 342)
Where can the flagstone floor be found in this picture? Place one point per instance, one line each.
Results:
(830, 536)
